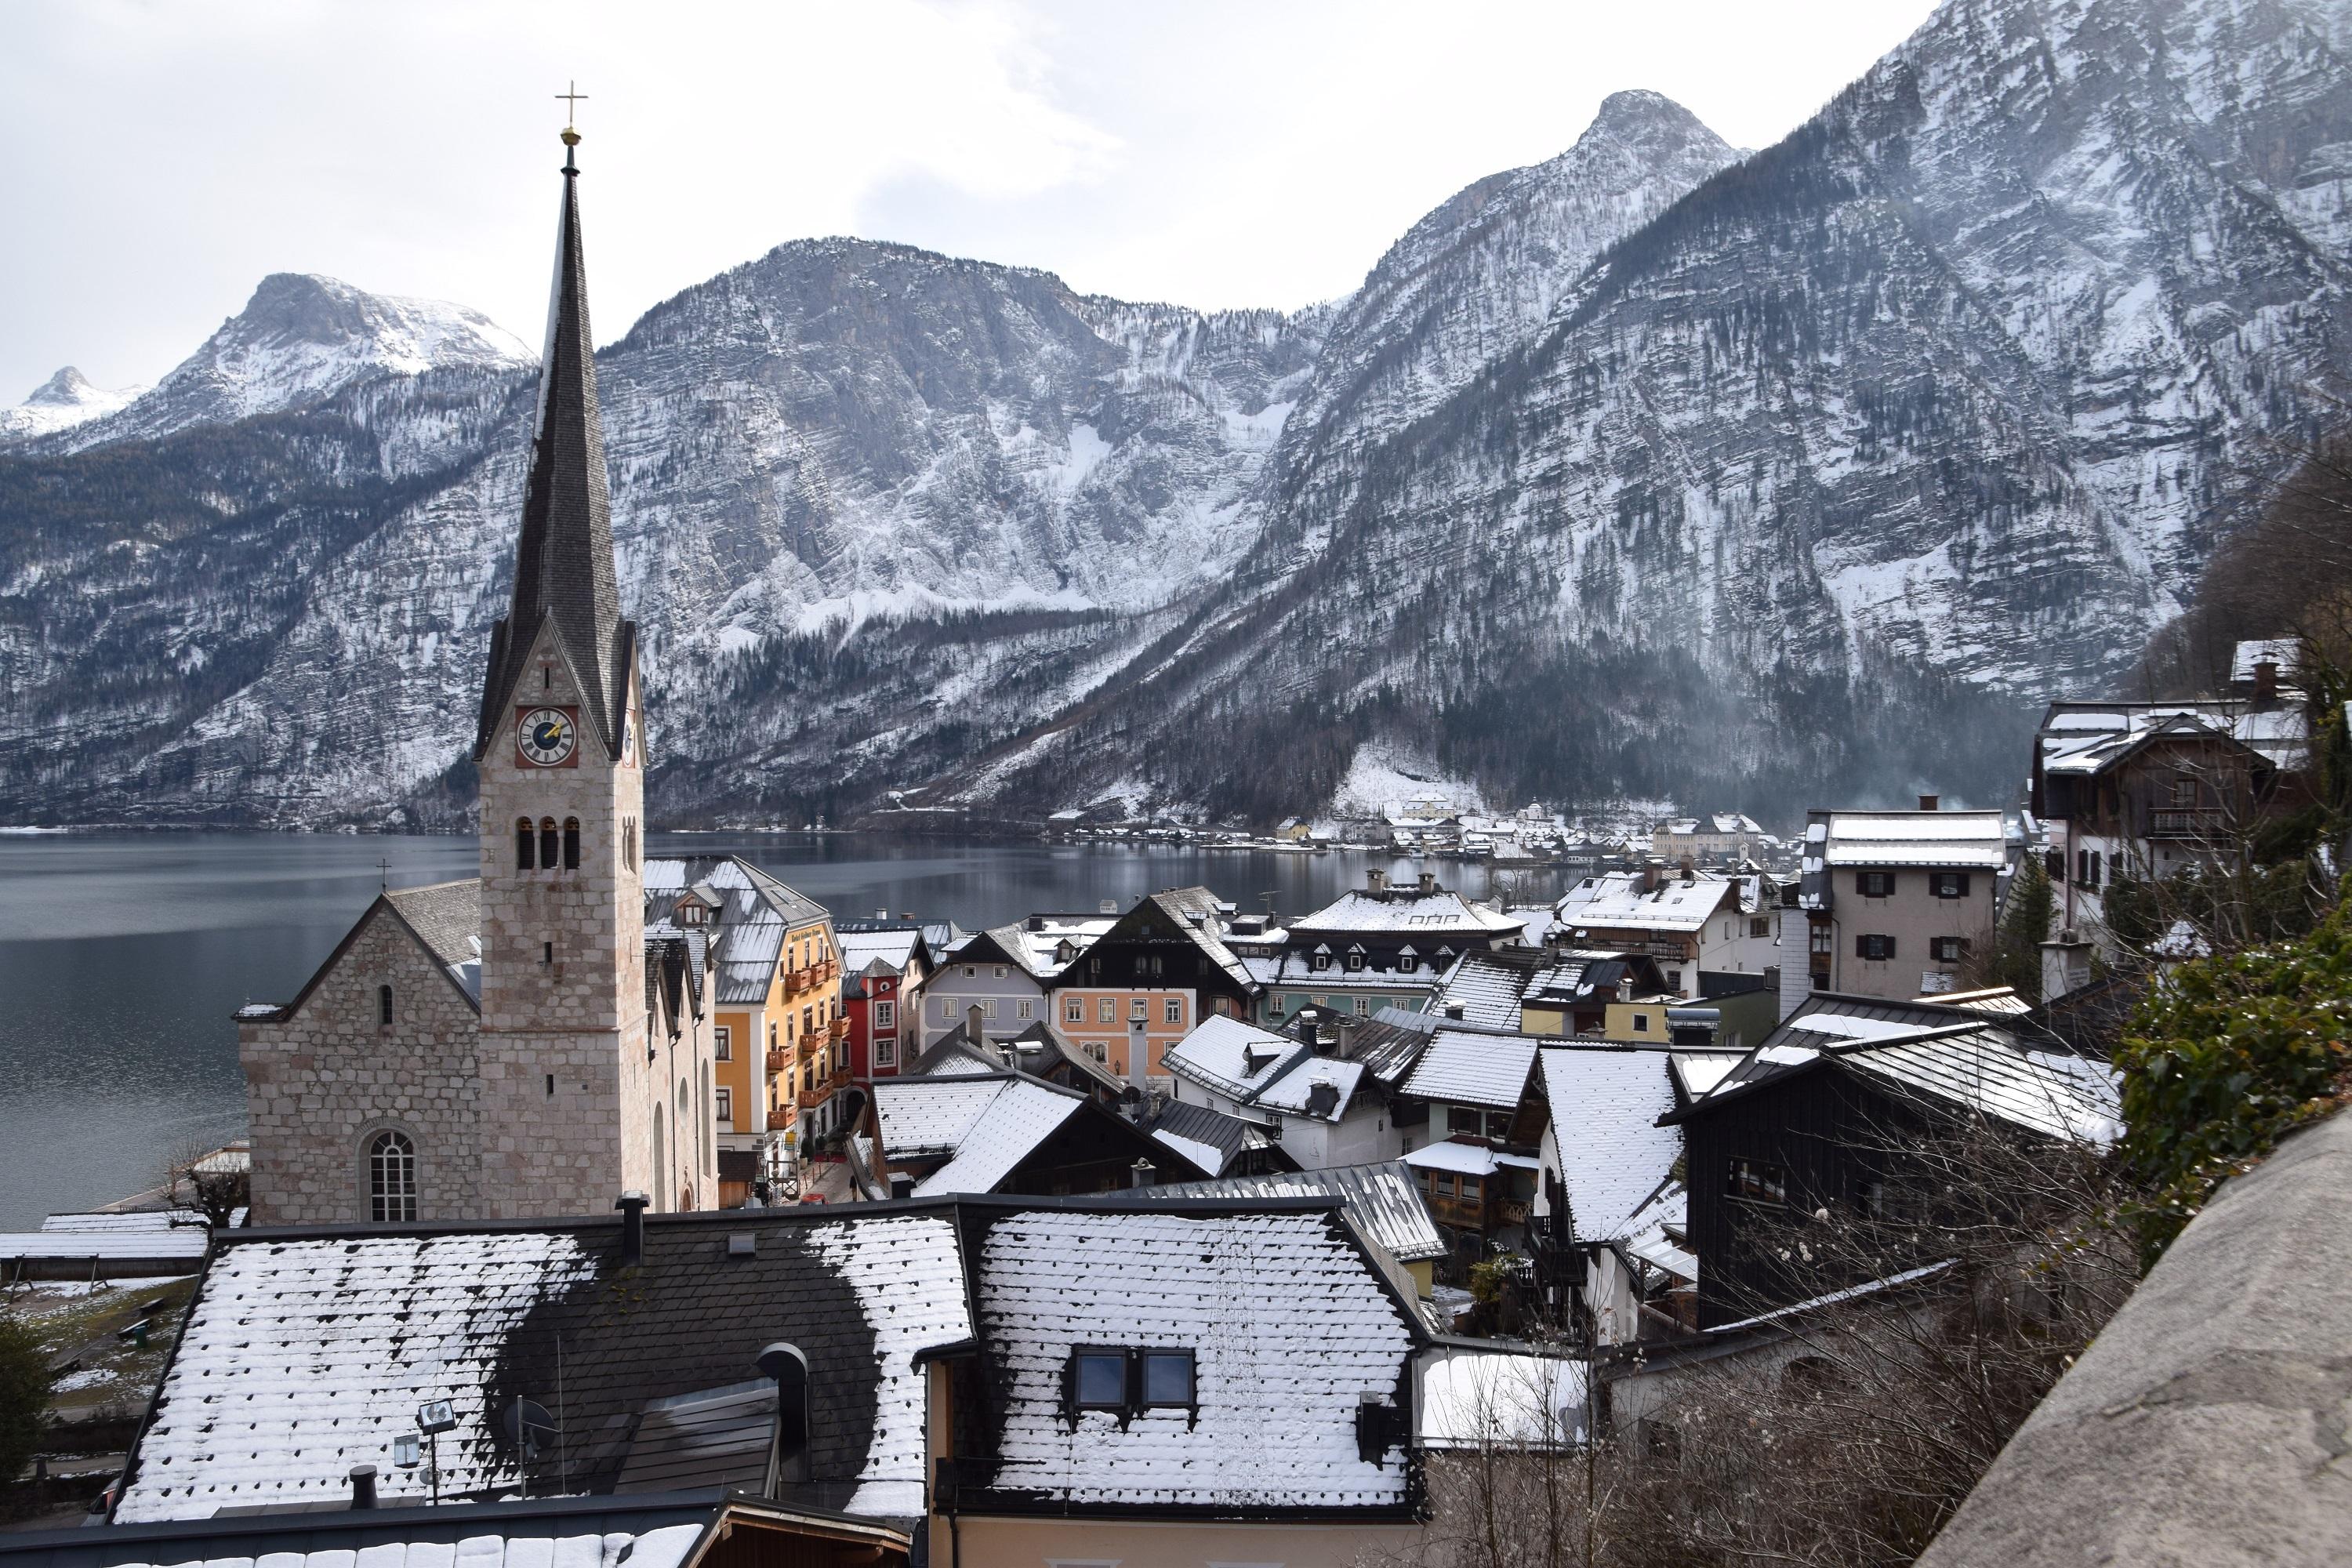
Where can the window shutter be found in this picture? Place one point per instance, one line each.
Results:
(1861, 947)
(1885, 947)
(1962, 882)
(1070, 1389)
(1862, 884)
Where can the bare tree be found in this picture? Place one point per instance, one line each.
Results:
(203, 1184)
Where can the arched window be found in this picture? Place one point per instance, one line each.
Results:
(391, 1178)
(572, 844)
(525, 845)
(383, 1004)
(548, 851)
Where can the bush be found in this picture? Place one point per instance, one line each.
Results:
(2225, 1057)
(24, 1395)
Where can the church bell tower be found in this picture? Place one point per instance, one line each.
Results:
(572, 1103)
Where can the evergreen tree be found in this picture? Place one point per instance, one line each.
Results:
(24, 1395)
(2024, 927)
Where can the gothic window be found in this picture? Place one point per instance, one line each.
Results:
(391, 1177)
(526, 845)
(572, 844)
(384, 1006)
(549, 851)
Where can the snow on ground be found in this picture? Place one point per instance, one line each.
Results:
(1383, 772)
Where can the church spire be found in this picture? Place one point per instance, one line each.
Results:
(563, 561)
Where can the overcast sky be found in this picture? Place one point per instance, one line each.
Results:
(156, 160)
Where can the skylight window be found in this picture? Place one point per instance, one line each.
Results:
(1126, 1381)
(1101, 1380)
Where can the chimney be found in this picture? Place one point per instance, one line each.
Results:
(788, 1459)
(1454, 1009)
(2265, 682)
(2065, 965)
(1931, 803)
(1376, 880)
(902, 1185)
(1037, 922)
(972, 1017)
(1108, 907)
(1650, 875)
(1142, 1174)
(1690, 868)
(363, 1486)
(633, 1229)
(1429, 881)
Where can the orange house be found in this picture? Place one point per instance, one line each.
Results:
(1149, 981)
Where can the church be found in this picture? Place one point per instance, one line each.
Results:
(521, 1044)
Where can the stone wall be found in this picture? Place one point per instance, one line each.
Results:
(329, 1076)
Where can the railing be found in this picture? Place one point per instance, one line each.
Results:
(819, 1090)
(780, 1121)
(2184, 824)
(779, 1058)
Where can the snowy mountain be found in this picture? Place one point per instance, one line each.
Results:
(1831, 468)
(64, 400)
(300, 340)
(1651, 472)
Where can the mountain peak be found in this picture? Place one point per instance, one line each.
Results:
(64, 400)
(1640, 115)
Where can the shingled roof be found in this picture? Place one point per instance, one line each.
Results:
(563, 560)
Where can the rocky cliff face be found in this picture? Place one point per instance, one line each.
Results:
(1651, 471)
(1940, 402)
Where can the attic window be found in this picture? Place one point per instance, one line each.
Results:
(1125, 1381)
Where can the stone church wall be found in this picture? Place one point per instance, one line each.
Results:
(323, 1081)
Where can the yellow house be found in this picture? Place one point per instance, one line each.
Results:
(1642, 1022)
(779, 1040)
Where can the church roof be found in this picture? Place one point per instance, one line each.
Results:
(563, 561)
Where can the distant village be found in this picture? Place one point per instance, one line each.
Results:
(612, 1208)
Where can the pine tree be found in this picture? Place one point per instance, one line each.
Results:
(2024, 926)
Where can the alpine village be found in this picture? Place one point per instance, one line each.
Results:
(1814, 1171)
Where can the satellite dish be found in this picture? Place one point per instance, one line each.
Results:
(529, 1426)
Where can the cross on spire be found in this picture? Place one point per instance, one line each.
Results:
(571, 101)
(384, 875)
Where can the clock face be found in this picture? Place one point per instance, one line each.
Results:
(547, 736)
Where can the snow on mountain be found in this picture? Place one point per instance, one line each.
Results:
(1652, 471)
(1838, 464)
(64, 400)
(300, 340)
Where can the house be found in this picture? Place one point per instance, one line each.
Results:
(1895, 902)
(1379, 946)
(1007, 972)
(1818, 1113)
(1321, 1111)
(773, 1040)
(1572, 990)
(1218, 1144)
(1728, 836)
(1687, 921)
(883, 971)
(1002, 1131)
(1487, 1118)
(2139, 791)
(1601, 1205)
(1150, 980)
(1009, 1380)
(1038, 1050)
(1381, 1200)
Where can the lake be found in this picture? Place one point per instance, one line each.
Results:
(123, 955)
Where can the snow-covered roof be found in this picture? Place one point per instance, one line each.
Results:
(2286, 653)
(2084, 738)
(1383, 1200)
(894, 949)
(136, 1220)
(1647, 1237)
(183, 1244)
(1007, 1131)
(1466, 1069)
(1700, 1071)
(1615, 900)
(1962, 839)
(1613, 1155)
(756, 916)
(1405, 911)
(1294, 970)
(1977, 1061)
(301, 1357)
(1488, 988)
(1497, 1399)
(487, 1546)
(1316, 1087)
(1234, 1058)
(929, 1114)
(1290, 1330)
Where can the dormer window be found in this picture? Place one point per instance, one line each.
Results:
(1319, 959)
(1355, 959)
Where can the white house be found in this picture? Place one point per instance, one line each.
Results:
(1321, 1111)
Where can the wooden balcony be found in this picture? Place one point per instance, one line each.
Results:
(817, 1091)
(779, 1059)
(2178, 823)
(780, 1121)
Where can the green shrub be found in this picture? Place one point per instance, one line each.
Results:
(2226, 1056)
(24, 1395)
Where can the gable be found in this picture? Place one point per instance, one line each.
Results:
(440, 924)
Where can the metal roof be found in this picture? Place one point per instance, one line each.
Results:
(1463, 1067)
(1383, 1200)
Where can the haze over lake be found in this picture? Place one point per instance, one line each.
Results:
(123, 955)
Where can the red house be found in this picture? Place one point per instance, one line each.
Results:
(883, 967)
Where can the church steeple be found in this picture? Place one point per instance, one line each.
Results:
(563, 562)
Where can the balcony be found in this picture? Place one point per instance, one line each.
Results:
(780, 1121)
(2186, 824)
(818, 1090)
(779, 1059)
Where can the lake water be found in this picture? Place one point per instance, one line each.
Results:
(123, 955)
